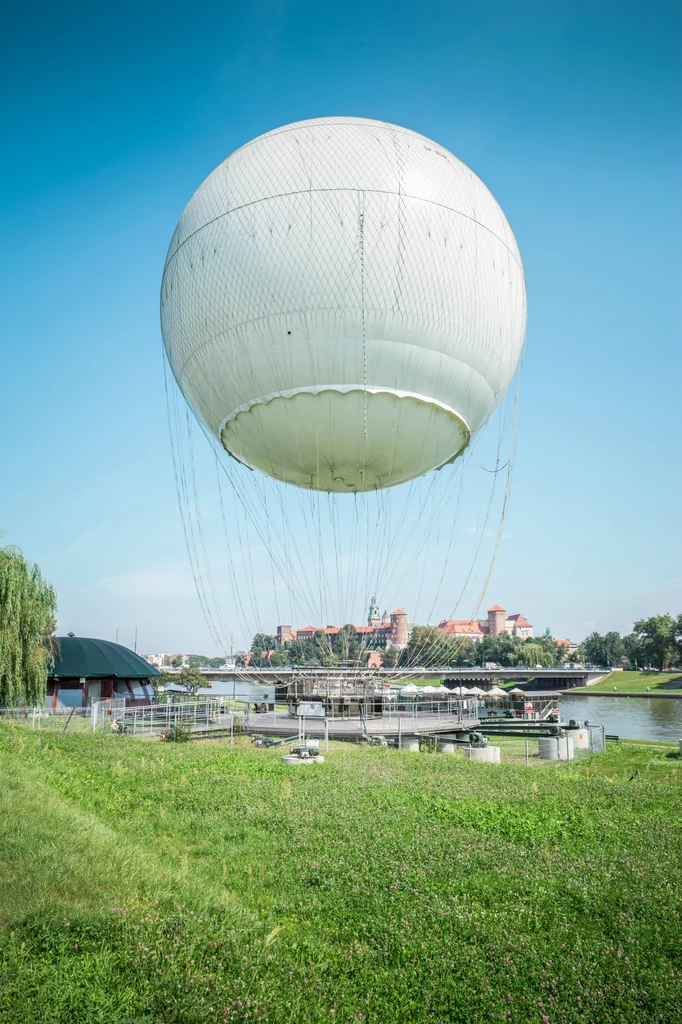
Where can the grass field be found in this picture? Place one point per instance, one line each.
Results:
(637, 682)
(192, 883)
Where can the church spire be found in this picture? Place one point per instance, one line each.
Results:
(373, 616)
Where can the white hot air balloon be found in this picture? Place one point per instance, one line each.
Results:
(343, 308)
(343, 304)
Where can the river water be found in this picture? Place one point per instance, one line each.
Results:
(637, 718)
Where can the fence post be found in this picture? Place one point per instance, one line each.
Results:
(326, 733)
(400, 733)
(526, 751)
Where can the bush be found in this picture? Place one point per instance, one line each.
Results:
(178, 734)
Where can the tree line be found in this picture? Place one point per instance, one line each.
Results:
(655, 642)
(427, 646)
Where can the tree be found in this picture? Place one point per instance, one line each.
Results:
(261, 644)
(605, 651)
(466, 652)
(595, 652)
(201, 660)
(635, 650)
(347, 643)
(501, 649)
(428, 647)
(613, 649)
(28, 608)
(677, 639)
(532, 652)
(190, 679)
(658, 637)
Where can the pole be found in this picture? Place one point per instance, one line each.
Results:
(526, 751)
(400, 733)
(135, 648)
(326, 733)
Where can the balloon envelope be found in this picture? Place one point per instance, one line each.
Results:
(343, 304)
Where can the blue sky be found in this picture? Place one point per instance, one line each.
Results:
(114, 115)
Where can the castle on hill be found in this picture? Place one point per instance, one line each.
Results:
(391, 628)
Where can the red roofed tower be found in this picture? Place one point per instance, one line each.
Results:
(497, 618)
(399, 628)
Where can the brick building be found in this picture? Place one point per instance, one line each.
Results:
(389, 627)
(497, 622)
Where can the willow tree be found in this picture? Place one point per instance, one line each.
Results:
(27, 620)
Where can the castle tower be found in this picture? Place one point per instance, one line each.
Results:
(373, 616)
(399, 628)
(284, 635)
(497, 618)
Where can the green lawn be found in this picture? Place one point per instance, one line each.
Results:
(149, 882)
(637, 682)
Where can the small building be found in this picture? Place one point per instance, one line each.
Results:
(87, 670)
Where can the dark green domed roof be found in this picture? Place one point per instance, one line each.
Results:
(79, 656)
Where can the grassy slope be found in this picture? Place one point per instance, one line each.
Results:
(198, 883)
(637, 682)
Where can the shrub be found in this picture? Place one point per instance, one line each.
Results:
(178, 734)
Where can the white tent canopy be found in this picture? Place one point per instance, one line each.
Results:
(496, 692)
(410, 688)
(516, 690)
(476, 691)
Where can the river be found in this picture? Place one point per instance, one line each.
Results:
(637, 718)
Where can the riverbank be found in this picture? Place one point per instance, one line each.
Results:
(646, 684)
(588, 691)
(201, 883)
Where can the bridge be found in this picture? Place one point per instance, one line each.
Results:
(301, 681)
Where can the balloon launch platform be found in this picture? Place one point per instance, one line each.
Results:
(345, 705)
(350, 717)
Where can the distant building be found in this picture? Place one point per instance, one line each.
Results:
(391, 628)
(496, 623)
(166, 660)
